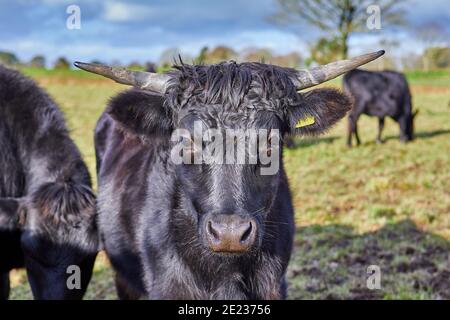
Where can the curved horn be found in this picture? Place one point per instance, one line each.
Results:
(144, 80)
(314, 76)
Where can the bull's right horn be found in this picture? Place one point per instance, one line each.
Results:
(314, 76)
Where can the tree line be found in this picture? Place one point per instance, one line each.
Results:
(433, 58)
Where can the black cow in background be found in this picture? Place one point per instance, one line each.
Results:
(47, 207)
(379, 94)
(204, 230)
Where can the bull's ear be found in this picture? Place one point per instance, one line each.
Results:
(141, 112)
(12, 213)
(320, 110)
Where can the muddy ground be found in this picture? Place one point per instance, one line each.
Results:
(330, 262)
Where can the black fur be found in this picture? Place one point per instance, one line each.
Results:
(151, 210)
(47, 207)
(379, 94)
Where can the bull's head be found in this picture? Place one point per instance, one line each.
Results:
(58, 237)
(230, 204)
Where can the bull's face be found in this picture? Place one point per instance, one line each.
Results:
(228, 200)
(228, 160)
(226, 153)
(58, 238)
(228, 169)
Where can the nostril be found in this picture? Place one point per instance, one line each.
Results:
(212, 231)
(247, 233)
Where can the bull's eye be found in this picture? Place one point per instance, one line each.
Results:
(262, 150)
(265, 150)
(269, 146)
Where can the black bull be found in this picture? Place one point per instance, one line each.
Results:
(201, 231)
(171, 230)
(379, 94)
(47, 207)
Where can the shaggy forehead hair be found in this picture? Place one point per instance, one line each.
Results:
(234, 86)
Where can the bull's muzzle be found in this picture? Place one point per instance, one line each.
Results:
(230, 233)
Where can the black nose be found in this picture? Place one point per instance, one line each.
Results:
(230, 233)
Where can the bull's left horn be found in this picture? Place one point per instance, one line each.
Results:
(144, 80)
(314, 76)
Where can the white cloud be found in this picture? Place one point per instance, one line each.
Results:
(278, 41)
(123, 12)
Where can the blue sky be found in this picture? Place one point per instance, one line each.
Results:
(142, 30)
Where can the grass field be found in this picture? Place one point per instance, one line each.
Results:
(378, 204)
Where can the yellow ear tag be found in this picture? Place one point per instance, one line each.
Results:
(309, 120)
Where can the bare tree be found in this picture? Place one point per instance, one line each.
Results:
(337, 18)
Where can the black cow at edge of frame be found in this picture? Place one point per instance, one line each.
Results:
(379, 94)
(47, 206)
(203, 231)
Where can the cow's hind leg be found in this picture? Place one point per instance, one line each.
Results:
(403, 121)
(4, 285)
(380, 129)
(358, 141)
(353, 130)
(124, 292)
(349, 132)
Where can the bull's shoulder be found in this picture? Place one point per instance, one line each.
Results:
(356, 73)
(392, 73)
(395, 77)
(22, 93)
(12, 82)
(369, 83)
(38, 130)
(28, 109)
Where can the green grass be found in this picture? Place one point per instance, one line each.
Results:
(384, 204)
(436, 78)
(334, 184)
